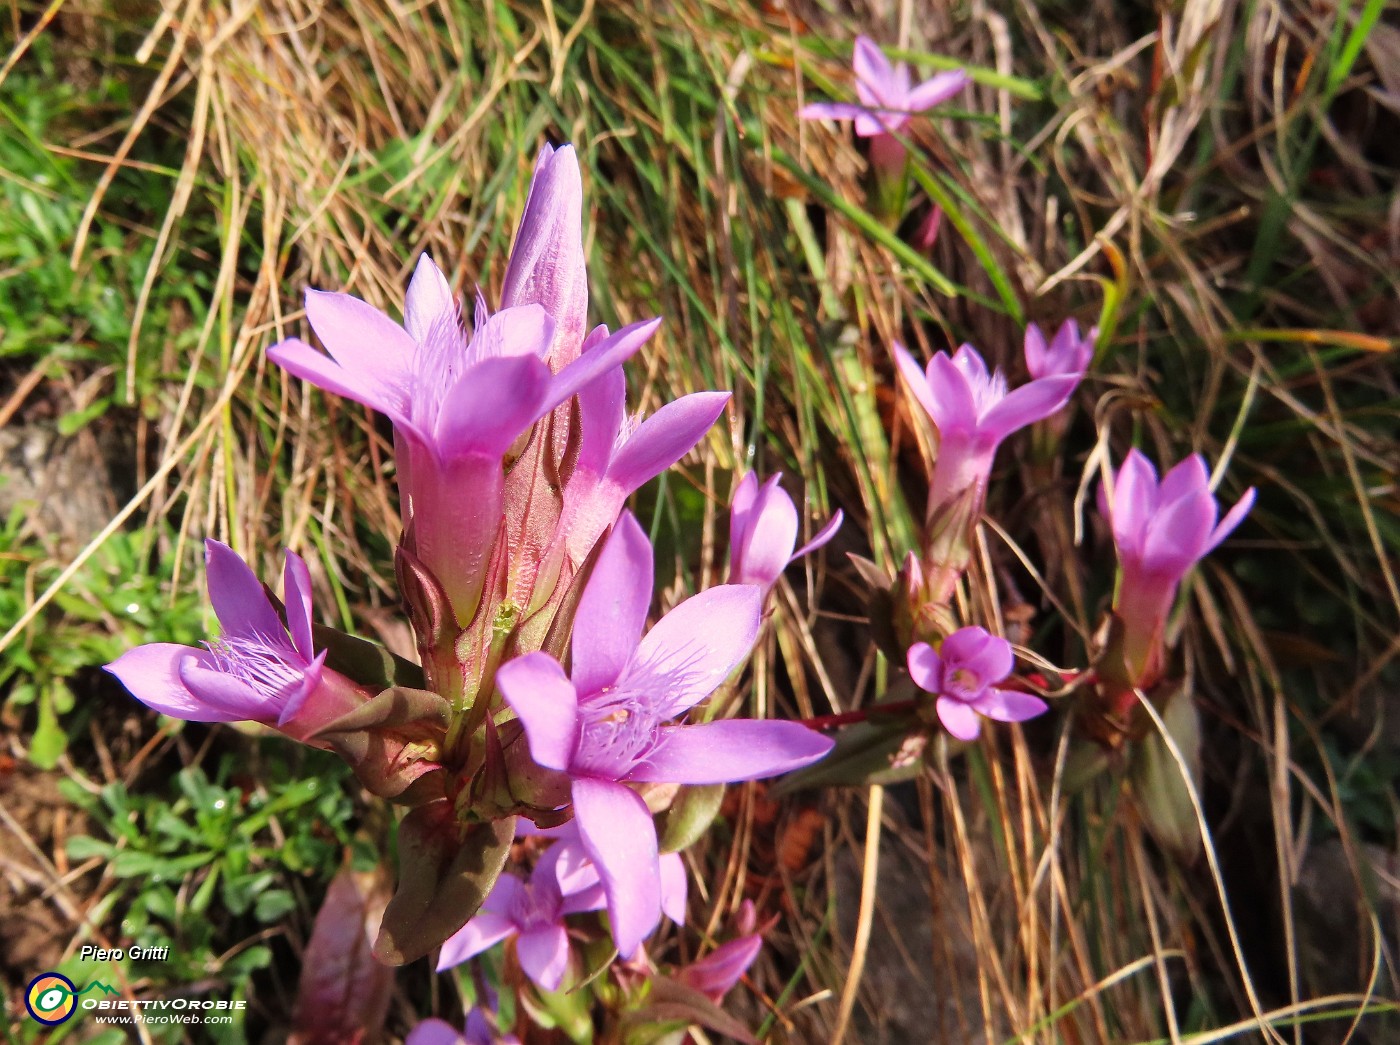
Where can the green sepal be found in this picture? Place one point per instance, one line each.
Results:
(392, 740)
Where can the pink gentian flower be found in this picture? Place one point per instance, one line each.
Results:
(763, 530)
(1066, 354)
(458, 403)
(716, 974)
(1161, 531)
(258, 670)
(964, 673)
(533, 914)
(973, 412)
(888, 100)
(609, 724)
(888, 95)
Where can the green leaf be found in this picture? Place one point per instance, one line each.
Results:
(863, 751)
(81, 847)
(49, 740)
(1162, 792)
(274, 906)
(365, 662)
(445, 871)
(76, 420)
(673, 1002)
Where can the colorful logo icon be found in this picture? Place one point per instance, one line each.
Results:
(51, 998)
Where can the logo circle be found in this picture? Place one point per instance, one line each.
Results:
(51, 998)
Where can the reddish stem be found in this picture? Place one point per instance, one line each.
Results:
(846, 718)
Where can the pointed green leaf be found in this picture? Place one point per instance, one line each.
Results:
(446, 868)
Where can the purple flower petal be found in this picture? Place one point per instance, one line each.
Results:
(717, 973)
(693, 648)
(544, 955)
(613, 609)
(958, 718)
(617, 829)
(301, 360)
(674, 887)
(1233, 518)
(730, 750)
(765, 546)
(1009, 705)
(491, 405)
(965, 644)
(823, 536)
(1134, 502)
(955, 411)
(969, 362)
(234, 700)
(831, 111)
(546, 702)
(585, 898)
(1072, 352)
(975, 649)
(151, 673)
(525, 330)
(741, 507)
(362, 339)
(483, 932)
(664, 438)
(429, 295)
(296, 594)
(601, 411)
(925, 667)
(607, 355)
(310, 703)
(886, 152)
(937, 89)
(1036, 350)
(918, 384)
(506, 896)
(1176, 536)
(434, 1032)
(1033, 401)
(547, 266)
(1190, 476)
(873, 71)
(237, 595)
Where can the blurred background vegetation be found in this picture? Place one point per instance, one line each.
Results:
(1213, 181)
